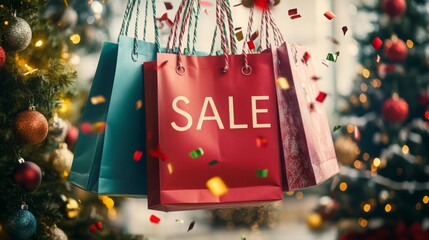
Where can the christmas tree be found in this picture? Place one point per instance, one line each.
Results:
(37, 38)
(383, 188)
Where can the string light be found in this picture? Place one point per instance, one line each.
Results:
(376, 162)
(39, 43)
(65, 106)
(376, 83)
(357, 164)
(299, 195)
(366, 207)
(410, 43)
(290, 193)
(6, 23)
(75, 38)
(364, 87)
(418, 206)
(343, 186)
(362, 98)
(350, 128)
(366, 73)
(405, 149)
(425, 199)
(363, 222)
(388, 208)
(365, 156)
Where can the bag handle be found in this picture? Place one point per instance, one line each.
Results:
(135, 5)
(226, 6)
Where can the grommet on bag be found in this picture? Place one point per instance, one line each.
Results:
(246, 70)
(180, 70)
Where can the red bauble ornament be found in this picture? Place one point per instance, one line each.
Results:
(395, 110)
(71, 137)
(31, 126)
(395, 50)
(27, 175)
(394, 8)
(424, 99)
(2, 57)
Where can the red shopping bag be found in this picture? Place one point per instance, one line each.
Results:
(208, 128)
(308, 151)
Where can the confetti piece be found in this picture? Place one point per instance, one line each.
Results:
(251, 45)
(336, 128)
(180, 220)
(263, 173)
(97, 100)
(162, 64)
(292, 11)
(283, 83)
(170, 23)
(207, 11)
(295, 16)
(154, 219)
(261, 142)
(321, 97)
(315, 78)
(168, 5)
(156, 153)
(333, 40)
(213, 162)
(139, 104)
(216, 186)
(239, 35)
(98, 127)
(163, 17)
(306, 57)
(170, 168)
(376, 43)
(185, 51)
(137, 155)
(191, 226)
(344, 28)
(86, 128)
(196, 153)
(206, 4)
(378, 58)
(254, 36)
(329, 15)
(236, 5)
(357, 134)
(331, 57)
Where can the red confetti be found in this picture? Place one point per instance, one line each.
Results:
(325, 63)
(261, 4)
(191, 226)
(168, 5)
(344, 28)
(315, 78)
(376, 43)
(254, 35)
(329, 15)
(357, 134)
(98, 127)
(251, 45)
(427, 114)
(306, 57)
(154, 219)
(170, 23)
(137, 155)
(321, 97)
(163, 17)
(206, 4)
(162, 64)
(86, 128)
(292, 11)
(158, 154)
(261, 142)
(295, 16)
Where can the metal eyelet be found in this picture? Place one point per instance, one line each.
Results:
(246, 70)
(180, 70)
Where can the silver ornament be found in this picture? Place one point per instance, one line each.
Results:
(58, 234)
(17, 36)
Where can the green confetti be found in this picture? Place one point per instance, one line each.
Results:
(213, 162)
(331, 57)
(196, 153)
(263, 173)
(336, 128)
(185, 51)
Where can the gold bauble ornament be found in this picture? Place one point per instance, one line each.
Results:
(346, 149)
(247, 3)
(63, 159)
(314, 221)
(30, 126)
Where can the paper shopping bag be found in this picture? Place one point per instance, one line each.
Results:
(212, 137)
(112, 161)
(308, 151)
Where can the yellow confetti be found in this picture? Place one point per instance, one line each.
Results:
(283, 83)
(170, 168)
(97, 100)
(98, 127)
(217, 186)
(139, 104)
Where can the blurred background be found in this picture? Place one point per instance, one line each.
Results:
(371, 58)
